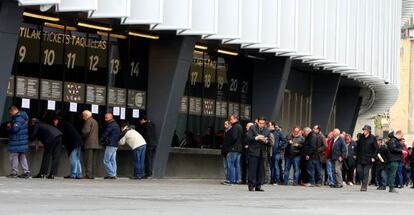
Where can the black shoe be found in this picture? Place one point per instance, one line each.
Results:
(337, 186)
(24, 175)
(88, 177)
(68, 177)
(412, 187)
(50, 177)
(393, 191)
(251, 188)
(258, 189)
(12, 175)
(110, 177)
(136, 178)
(39, 176)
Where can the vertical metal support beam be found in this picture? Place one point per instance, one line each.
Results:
(10, 20)
(269, 83)
(324, 90)
(348, 103)
(169, 62)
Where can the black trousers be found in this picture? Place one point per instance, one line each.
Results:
(256, 171)
(243, 167)
(149, 160)
(51, 150)
(363, 173)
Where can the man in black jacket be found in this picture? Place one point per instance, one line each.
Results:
(51, 138)
(73, 143)
(259, 138)
(365, 155)
(235, 147)
(338, 155)
(381, 161)
(148, 132)
(311, 154)
(395, 156)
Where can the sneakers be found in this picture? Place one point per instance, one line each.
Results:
(381, 188)
(39, 176)
(350, 184)
(24, 175)
(363, 189)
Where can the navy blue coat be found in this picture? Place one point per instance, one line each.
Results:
(338, 149)
(46, 133)
(19, 133)
(111, 135)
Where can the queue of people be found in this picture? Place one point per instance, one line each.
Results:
(57, 133)
(335, 160)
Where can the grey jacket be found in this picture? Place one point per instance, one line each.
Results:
(90, 133)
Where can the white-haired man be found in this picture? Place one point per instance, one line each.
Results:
(90, 133)
(338, 154)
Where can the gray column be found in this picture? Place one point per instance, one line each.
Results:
(269, 82)
(348, 103)
(324, 90)
(10, 20)
(169, 62)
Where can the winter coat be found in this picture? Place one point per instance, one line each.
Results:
(235, 135)
(338, 149)
(280, 142)
(148, 133)
(365, 149)
(110, 137)
(351, 147)
(72, 139)
(19, 133)
(90, 134)
(46, 133)
(310, 148)
(258, 148)
(322, 147)
(291, 149)
(394, 149)
(132, 138)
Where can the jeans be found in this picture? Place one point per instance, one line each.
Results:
(392, 170)
(381, 173)
(400, 174)
(276, 158)
(329, 171)
(295, 161)
(139, 160)
(313, 167)
(15, 159)
(233, 167)
(75, 164)
(226, 169)
(110, 160)
(363, 173)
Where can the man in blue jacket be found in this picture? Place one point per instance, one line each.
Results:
(18, 142)
(110, 139)
(338, 154)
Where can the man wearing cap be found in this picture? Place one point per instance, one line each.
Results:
(364, 155)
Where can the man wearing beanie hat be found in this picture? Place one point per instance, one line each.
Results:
(365, 155)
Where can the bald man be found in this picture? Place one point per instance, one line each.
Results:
(338, 154)
(110, 140)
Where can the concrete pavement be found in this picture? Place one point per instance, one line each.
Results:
(174, 196)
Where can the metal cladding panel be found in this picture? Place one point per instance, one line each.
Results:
(352, 33)
(332, 30)
(176, 15)
(288, 25)
(77, 5)
(362, 25)
(37, 2)
(145, 12)
(204, 18)
(319, 25)
(229, 20)
(251, 21)
(342, 42)
(304, 26)
(270, 25)
(111, 9)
